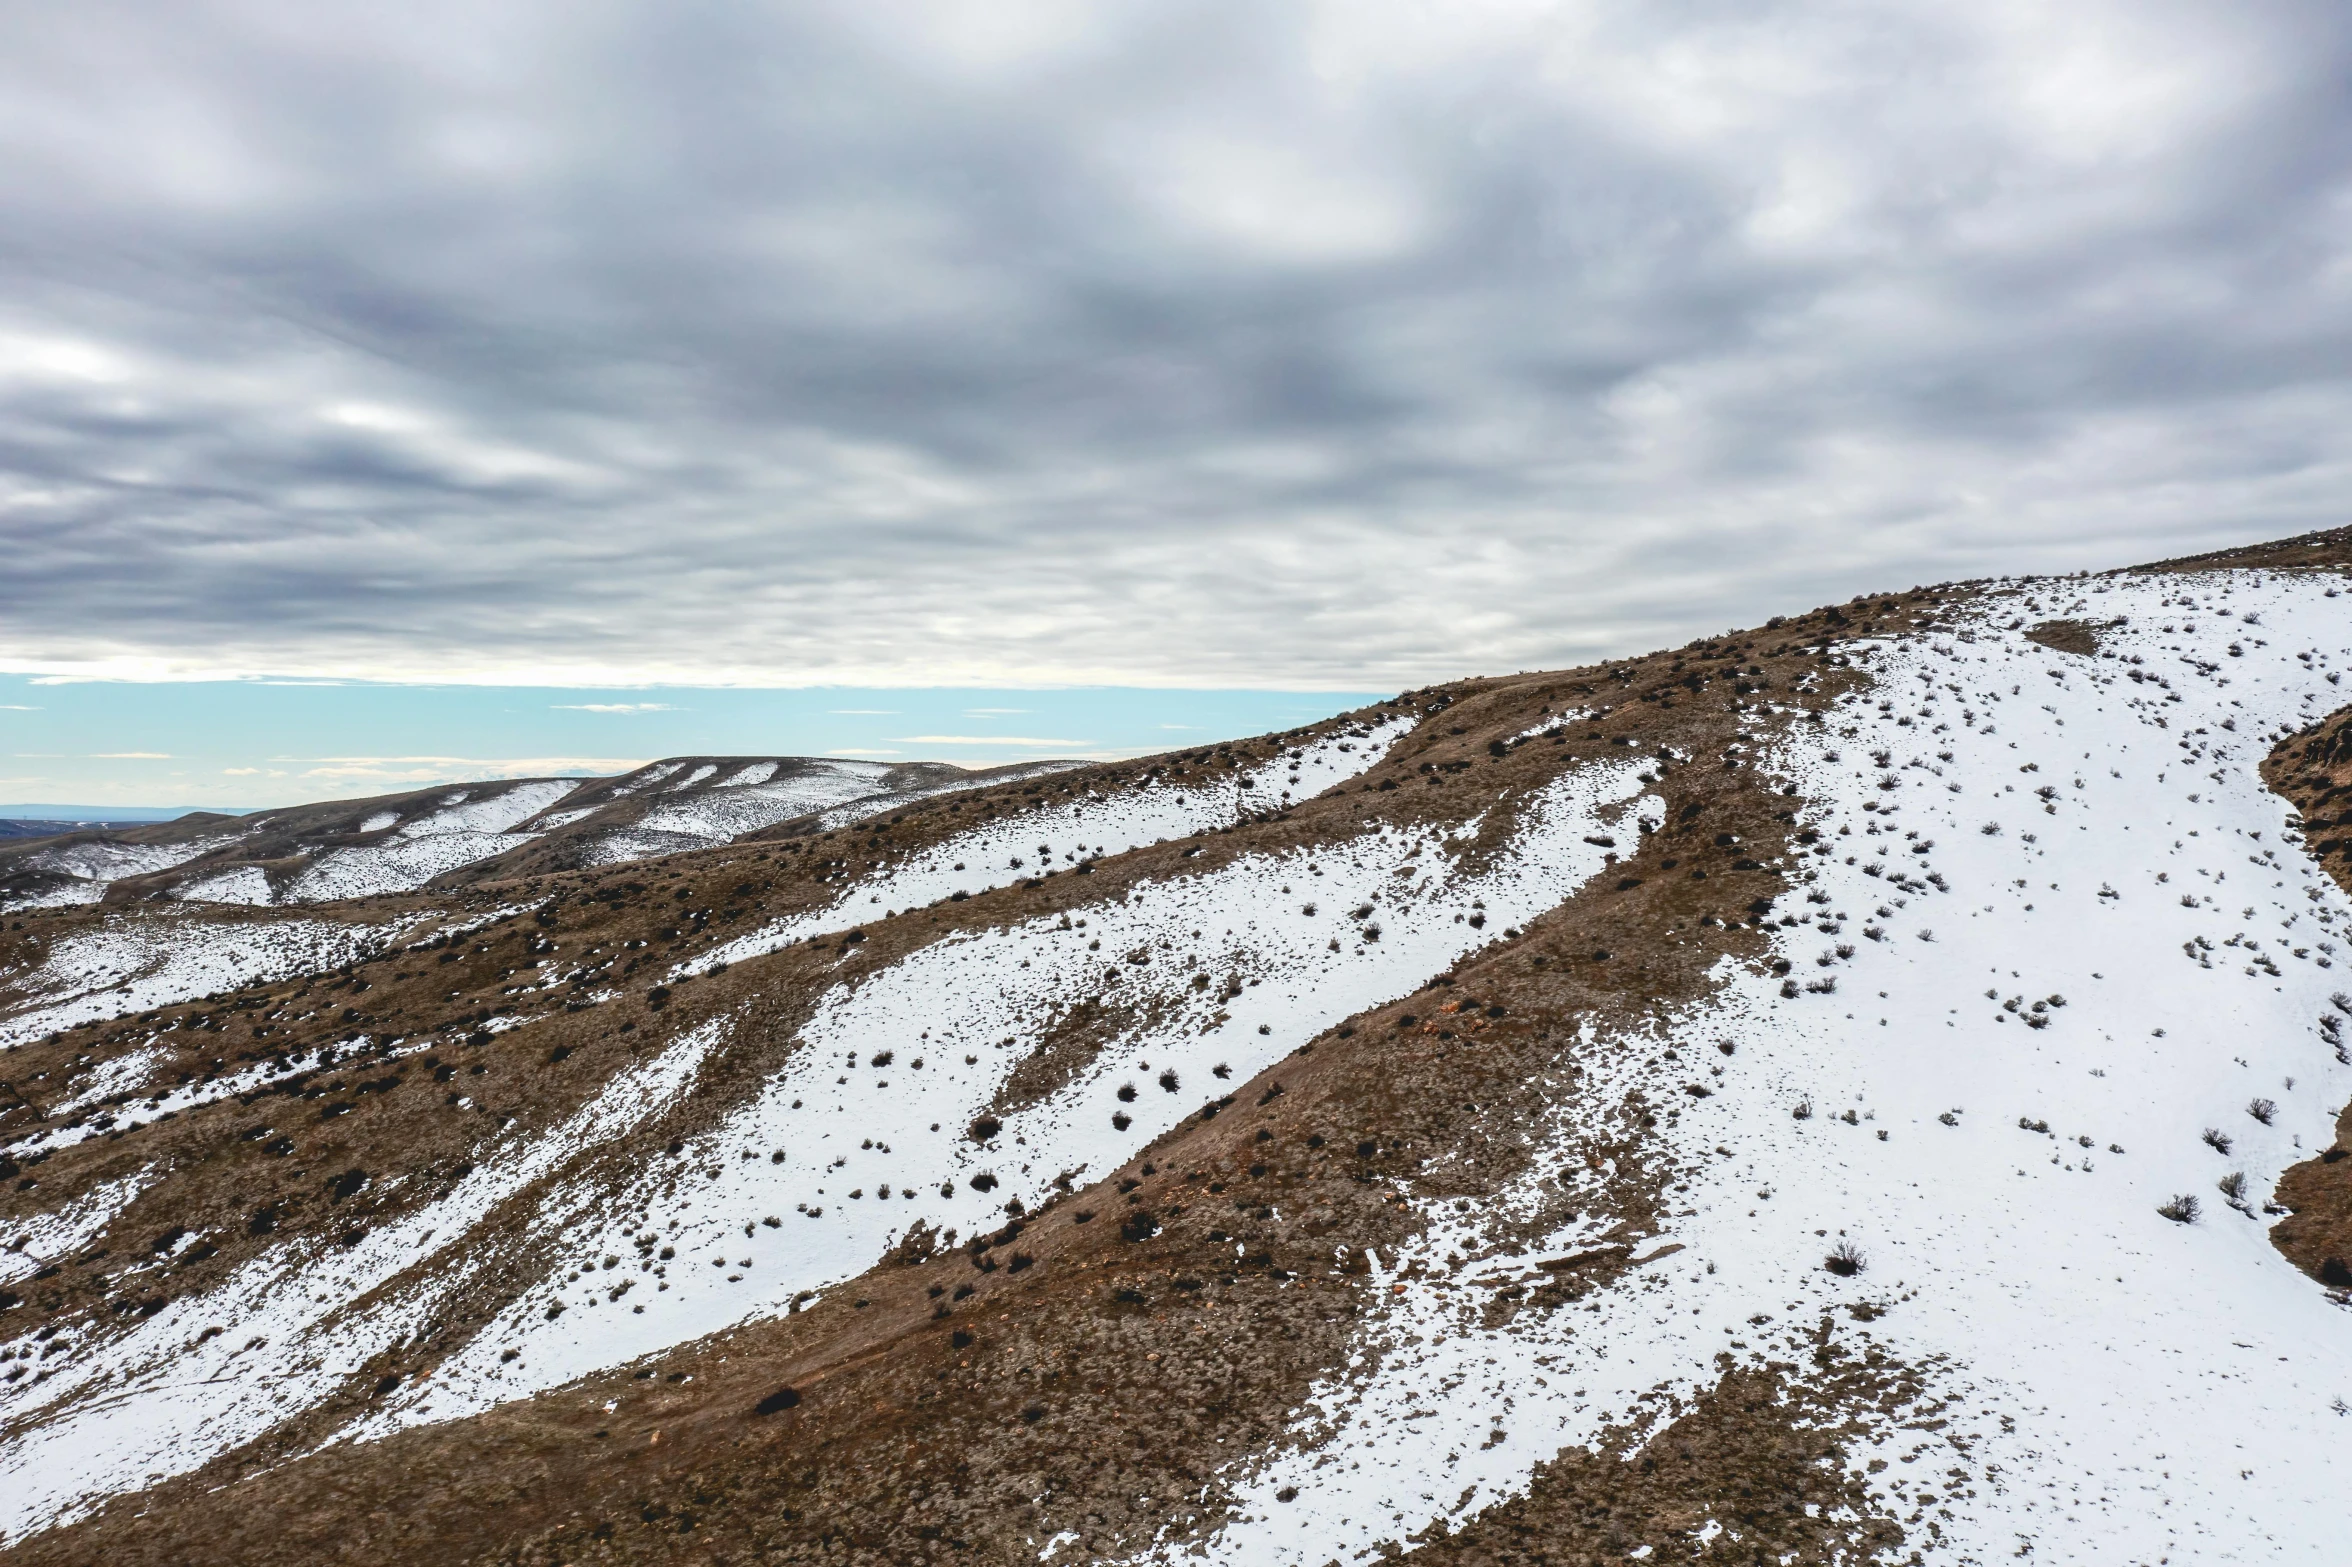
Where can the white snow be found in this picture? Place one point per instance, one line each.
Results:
(379, 821)
(400, 864)
(491, 813)
(118, 1075)
(875, 804)
(728, 810)
(59, 895)
(646, 780)
(50, 1237)
(245, 884)
(753, 798)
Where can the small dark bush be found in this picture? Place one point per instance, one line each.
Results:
(1845, 1260)
(777, 1402)
(2181, 1210)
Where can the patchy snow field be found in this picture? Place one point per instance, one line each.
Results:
(159, 956)
(212, 1371)
(471, 825)
(2008, 1079)
(1061, 835)
(105, 862)
(916, 1084)
(745, 801)
(93, 865)
(753, 797)
(865, 1134)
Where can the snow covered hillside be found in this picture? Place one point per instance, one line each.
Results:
(1820, 1094)
(2008, 1088)
(400, 843)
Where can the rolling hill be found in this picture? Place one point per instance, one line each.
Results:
(346, 849)
(1864, 1088)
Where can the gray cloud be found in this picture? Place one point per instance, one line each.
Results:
(1322, 344)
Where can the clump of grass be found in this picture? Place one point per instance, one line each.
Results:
(1845, 1259)
(2233, 1187)
(2181, 1210)
(2262, 1109)
(2217, 1139)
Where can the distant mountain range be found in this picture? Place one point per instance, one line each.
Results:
(107, 815)
(397, 842)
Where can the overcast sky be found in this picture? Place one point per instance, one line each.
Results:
(1309, 346)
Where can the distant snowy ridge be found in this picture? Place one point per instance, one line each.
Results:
(996, 854)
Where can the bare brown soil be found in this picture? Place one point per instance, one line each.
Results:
(1760, 1459)
(2313, 770)
(2329, 549)
(2079, 637)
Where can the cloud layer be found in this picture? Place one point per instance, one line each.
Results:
(1319, 344)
